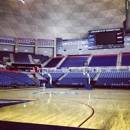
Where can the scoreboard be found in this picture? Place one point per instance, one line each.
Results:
(106, 38)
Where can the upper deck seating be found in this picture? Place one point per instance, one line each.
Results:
(21, 58)
(74, 61)
(54, 62)
(19, 77)
(7, 39)
(4, 54)
(108, 60)
(125, 59)
(7, 81)
(42, 58)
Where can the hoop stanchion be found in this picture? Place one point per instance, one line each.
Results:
(48, 85)
(88, 86)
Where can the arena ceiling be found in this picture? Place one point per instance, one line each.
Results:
(67, 19)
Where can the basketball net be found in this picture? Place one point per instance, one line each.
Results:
(84, 73)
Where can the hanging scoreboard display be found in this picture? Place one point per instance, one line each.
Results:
(106, 38)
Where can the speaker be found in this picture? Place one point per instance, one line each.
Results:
(59, 42)
(58, 46)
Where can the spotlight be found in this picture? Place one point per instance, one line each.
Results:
(22, 1)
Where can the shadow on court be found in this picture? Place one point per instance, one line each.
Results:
(5, 125)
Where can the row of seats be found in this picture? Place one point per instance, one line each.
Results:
(55, 76)
(54, 62)
(76, 61)
(75, 41)
(106, 79)
(42, 58)
(125, 60)
(123, 74)
(6, 81)
(4, 54)
(73, 82)
(46, 43)
(23, 57)
(70, 61)
(80, 75)
(26, 41)
(18, 79)
(75, 79)
(10, 40)
(103, 61)
(113, 79)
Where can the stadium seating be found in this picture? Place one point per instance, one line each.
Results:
(125, 59)
(55, 76)
(4, 54)
(18, 79)
(21, 58)
(75, 79)
(54, 62)
(74, 61)
(45, 43)
(42, 58)
(103, 60)
(9, 40)
(113, 79)
(26, 41)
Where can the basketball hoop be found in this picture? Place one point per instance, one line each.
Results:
(84, 72)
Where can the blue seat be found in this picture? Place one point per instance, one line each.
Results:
(103, 60)
(75, 79)
(74, 61)
(18, 79)
(113, 79)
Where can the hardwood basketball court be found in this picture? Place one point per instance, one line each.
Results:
(96, 109)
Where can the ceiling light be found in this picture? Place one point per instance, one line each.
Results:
(22, 1)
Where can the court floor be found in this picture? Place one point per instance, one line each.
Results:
(107, 109)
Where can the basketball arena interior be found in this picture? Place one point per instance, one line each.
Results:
(64, 65)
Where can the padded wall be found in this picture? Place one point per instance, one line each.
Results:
(59, 18)
(9, 48)
(26, 49)
(45, 51)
